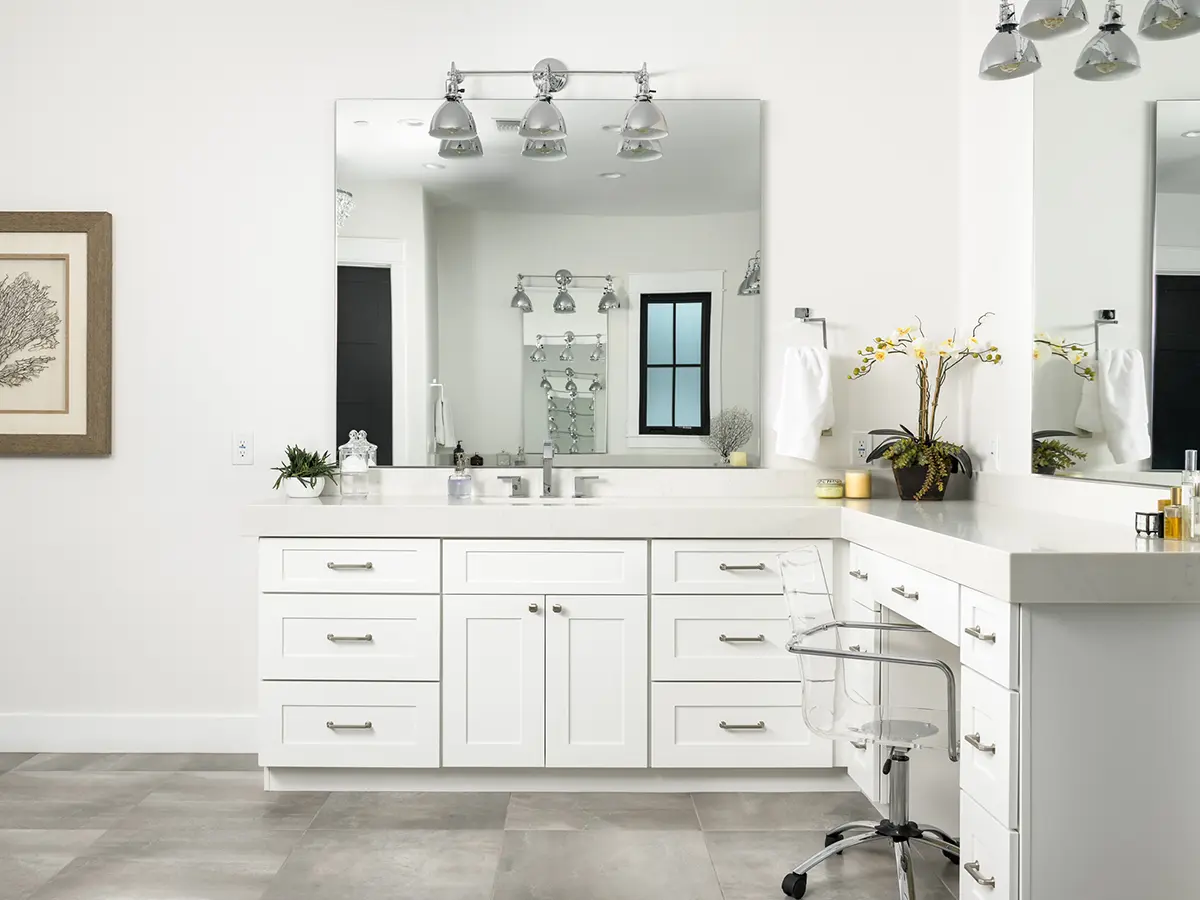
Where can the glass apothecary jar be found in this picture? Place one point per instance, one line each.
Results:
(355, 459)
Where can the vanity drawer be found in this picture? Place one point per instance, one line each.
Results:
(921, 597)
(729, 567)
(686, 730)
(544, 567)
(988, 763)
(348, 566)
(327, 637)
(349, 724)
(721, 639)
(989, 641)
(988, 853)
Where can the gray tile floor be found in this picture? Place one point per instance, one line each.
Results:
(160, 827)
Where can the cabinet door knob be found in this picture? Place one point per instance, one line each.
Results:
(972, 869)
(557, 607)
(533, 607)
(976, 632)
(975, 741)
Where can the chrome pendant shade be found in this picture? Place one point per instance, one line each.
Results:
(639, 151)
(564, 302)
(1047, 19)
(520, 299)
(1111, 54)
(1009, 54)
(1166, 20)
(464, 149)
(608, 300)
(644, 121)
(751, 284)
(344, 201)
(543, 121)
(545, 150)
(453, 121)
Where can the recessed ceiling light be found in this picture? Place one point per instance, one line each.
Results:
(611, 175)
(414, 123)
(613, 128)
(434, 166)
(1191, 134)
(361, 122)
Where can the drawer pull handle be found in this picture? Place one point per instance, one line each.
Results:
(976, 632)
(857, 648)
(859, 745)
(974, 741)
(907, 595)
(757, 639)
(334, 726)
(344, 567)
(350, 638)
(972, 869)
(861, 576)
(757, 726)
(758, 567)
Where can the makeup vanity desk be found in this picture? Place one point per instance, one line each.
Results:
(403, 646)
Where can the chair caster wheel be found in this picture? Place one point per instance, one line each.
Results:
(795, 885)
(831, 839)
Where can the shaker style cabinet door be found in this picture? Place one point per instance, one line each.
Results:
(596, 674)
(493, 663)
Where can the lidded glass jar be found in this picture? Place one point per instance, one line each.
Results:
(355, 458)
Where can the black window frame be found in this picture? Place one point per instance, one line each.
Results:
(674, 300)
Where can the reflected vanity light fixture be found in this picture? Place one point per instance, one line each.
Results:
(545, 150)
(752, 283)
(465, 149)
(520, 299)
(1166, 20)
(608, 300)
(539, 352)
(1111, 54)
(344, 206)
(568, 352)
(564, 302)
(1009, 54)
(453, 121)
(644, 121)
(639, 151)
(1047, 19)
(543, 120)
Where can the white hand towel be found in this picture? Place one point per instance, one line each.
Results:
(443, 421)
(805, 402)
(1088, 417)
(1123, 407)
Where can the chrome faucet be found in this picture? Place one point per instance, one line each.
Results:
(548, 469)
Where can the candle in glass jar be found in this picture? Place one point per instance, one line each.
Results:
(858, 485)
(738, 459)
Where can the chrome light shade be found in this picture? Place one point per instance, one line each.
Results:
(453, 121)
(520, 299)
(539, 352)
(1111, 54)
(345, 206)
(644, 121)
(546, 150)
(596, 386)
(608, 300)
(543, 121)
(640, 151)
(1009, 54)
(1045, 19)
(751, 284)
(1165, 20)
(465, 149)
(564, 303)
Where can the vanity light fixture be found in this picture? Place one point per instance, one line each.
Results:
(520, 299)
(639, 151)
(644, 121)
(597, 353)
(568, 352)
(464, 149)
(543, 120)
(453, 121)
(344, 206)
(596, 386)
(1009, 54)
(539, 352)
(545, 150)
(1045, 19)
(752, 283)
(1111, 54)
(1165, 20)
(608, 300)
(564, 302)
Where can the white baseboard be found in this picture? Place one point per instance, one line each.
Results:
(79, 733)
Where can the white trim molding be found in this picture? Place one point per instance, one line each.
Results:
(118, 733)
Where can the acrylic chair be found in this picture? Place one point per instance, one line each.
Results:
(835, 709)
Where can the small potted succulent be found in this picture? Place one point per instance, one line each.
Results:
(1050, 455)
(303, 473)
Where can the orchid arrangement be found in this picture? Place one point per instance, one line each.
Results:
(1046, 347)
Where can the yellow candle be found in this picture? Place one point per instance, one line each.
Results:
(739, 459)
(858, 485)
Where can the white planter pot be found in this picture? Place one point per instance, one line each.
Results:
(300, 490)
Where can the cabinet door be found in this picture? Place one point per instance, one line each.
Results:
(596, 682)
(493, 663)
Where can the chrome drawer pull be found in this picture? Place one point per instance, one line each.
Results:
(972, 869)
(342, 567)
(859, 745)
(976, 632)
(974, 741)
(907, 595)
(334, 726)
(350, 638)
(726, 639)
(725, 567)
(861, 576)
(857, 648)
(758, 726)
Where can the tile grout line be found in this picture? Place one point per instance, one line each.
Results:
(707, 850)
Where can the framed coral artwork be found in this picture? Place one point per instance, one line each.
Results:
(56, 333)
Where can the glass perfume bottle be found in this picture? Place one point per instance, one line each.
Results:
(355, 459)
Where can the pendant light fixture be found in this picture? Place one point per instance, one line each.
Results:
(1046, 19)
(539, 352)
(453, 121)
(564, 302)
(1165, 20)
(751, 284)
(1111, 54)
(465, 149)
(520, 299)
(344, 206)
(1009, 54)
(543, 120)
(608, 300)
(545, 150)
(644, 121)
(640, 151)
(568, 352)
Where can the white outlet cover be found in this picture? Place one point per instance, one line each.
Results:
(242, 449)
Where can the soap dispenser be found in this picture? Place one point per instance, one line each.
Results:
(459, 486)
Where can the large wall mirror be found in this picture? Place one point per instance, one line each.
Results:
(544, 292)
(1117, 371)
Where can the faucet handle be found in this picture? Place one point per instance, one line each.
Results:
(515, 482)
(580, 483)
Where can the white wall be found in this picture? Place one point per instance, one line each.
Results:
(220, 181)
(1177, 233)
(482, 361)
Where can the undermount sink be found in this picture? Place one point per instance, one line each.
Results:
(536, 501)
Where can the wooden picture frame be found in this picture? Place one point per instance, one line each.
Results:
(55, 333)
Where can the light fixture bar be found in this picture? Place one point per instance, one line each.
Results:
(530, 72)
(573, 276)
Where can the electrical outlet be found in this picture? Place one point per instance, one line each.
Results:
(994, 455)
(243, 449)
(861, 445)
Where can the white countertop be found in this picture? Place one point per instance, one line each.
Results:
(1024, 555)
